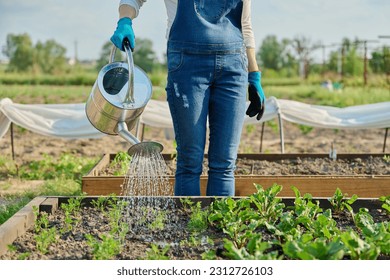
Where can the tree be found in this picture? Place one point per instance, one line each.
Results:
(50, 57)
(270, 53)
(144, 56)
(19, 50)
(304, 48)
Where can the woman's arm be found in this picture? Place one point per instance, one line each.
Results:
(249, 38)
(130, 8)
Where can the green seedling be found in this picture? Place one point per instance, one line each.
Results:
(256, 249)
(196, 240)
(386, 158)
(159, 219)
(100, 203)
(386, 203)
(357, 248)
(339, 201)
(45, 238)
(104, 249)
(236, 218)
(198, 218)
(155, 253)
(209, 255)
(307, 248)
(305, 209)
(121, 163)
(268, 205)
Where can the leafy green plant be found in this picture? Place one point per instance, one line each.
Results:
(104, 249)
(120, 163)
(209, 255)
(386, 158)
(339, 201)
(155, 253)
(307, 248)
(256, 249)
(305, 209)
(236, 218)
(72, 212)
(267, 204)
(198, 218)
(100, 203)
(68, 166)
(159, 218)
(45, 236)
(357, 248)
(386, 203)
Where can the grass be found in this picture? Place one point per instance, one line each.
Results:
(314, 94)
(61, 177)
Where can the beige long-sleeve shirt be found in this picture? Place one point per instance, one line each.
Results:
(171, 7)
(131, 8)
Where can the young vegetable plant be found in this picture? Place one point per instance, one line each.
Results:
(105, 249)
(121, 163)
(256, 249)
(45, 236)
(307, 248)
(339, 201)
(267, 204)
(236, 218)
(305, 209)
(155, 253)
(386, 203)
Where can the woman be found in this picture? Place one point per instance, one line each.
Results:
(211, 59)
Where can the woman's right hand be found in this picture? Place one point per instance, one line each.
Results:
(124, 30)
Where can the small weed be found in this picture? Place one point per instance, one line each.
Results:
(155, 253)
(386, 158)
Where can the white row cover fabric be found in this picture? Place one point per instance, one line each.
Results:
(70, 120)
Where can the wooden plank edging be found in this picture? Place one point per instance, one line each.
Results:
(18, 224)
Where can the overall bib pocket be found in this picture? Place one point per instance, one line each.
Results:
(211, 11)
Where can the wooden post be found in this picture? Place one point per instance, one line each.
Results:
(384, 142)
(12, 141)
(261, 137)
(281, 133)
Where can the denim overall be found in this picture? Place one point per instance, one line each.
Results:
(207, 85)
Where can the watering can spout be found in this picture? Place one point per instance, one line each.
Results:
(138, 147)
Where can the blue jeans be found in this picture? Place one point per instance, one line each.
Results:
(207, 89)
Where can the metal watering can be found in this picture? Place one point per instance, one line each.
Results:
(114, 108)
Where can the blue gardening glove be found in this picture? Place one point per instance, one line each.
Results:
(124, 30)
(256, 96)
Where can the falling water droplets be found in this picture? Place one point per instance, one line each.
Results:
(147, 188)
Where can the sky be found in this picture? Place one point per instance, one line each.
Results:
(91, 23)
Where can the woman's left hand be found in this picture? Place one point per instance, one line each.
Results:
(256, 96)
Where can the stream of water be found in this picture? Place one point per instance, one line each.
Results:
(146, 188)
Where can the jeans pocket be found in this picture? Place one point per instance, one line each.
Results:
(175, 60)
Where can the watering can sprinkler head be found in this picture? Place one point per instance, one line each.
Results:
(138, 147)
(147, 147)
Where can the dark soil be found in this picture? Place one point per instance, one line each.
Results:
(296, 166)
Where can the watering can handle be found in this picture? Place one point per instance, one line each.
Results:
(129, 99)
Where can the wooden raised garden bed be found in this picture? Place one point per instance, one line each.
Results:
(364, 185)
(180, 240)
